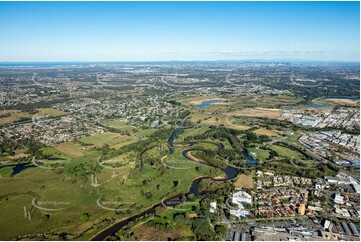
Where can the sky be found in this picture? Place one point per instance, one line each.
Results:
(162, 31)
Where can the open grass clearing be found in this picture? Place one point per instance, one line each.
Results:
(196, 130)
(245, 181)
(286, 152)
(143, 133)
(50, 112)
(267, 132)
(54, 153)
(260, 154)
(105, 138)
(118, 124)
(48, 187)
(71, 149)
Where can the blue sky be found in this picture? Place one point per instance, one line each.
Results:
(136, 31)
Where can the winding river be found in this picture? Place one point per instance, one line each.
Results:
(230, 173)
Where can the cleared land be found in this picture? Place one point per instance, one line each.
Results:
(259, 112)
(245, 181)
(266, 132)
(145, 232)
(346, 102)
(71, 149)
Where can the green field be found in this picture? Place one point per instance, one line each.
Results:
(71, 149)
(46, 186)
(286, 152)
(261, 154)
(54, 153)
(145, 132)
(109, 138)
(117, 124)
(192, 131)
(50, 111)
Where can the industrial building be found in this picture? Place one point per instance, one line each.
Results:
(354, 229)
(346, 228)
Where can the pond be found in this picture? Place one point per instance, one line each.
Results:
(207, 103)
(55, 159)
(318, 106)
(249, 159)
(18, 168)
(287, 108)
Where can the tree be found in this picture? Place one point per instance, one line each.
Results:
(148, 195)
(45, 217)
(190, 197)
(220, 230)
(179, 217)
(202, 229)
(105, 149)
(84, 217)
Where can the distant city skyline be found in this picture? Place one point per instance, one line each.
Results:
(183, 31)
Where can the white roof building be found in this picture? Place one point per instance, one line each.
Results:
(240, 212)
(339, 199)
(326, 224)
(342, 211)
(241, 198)
(213, 207)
